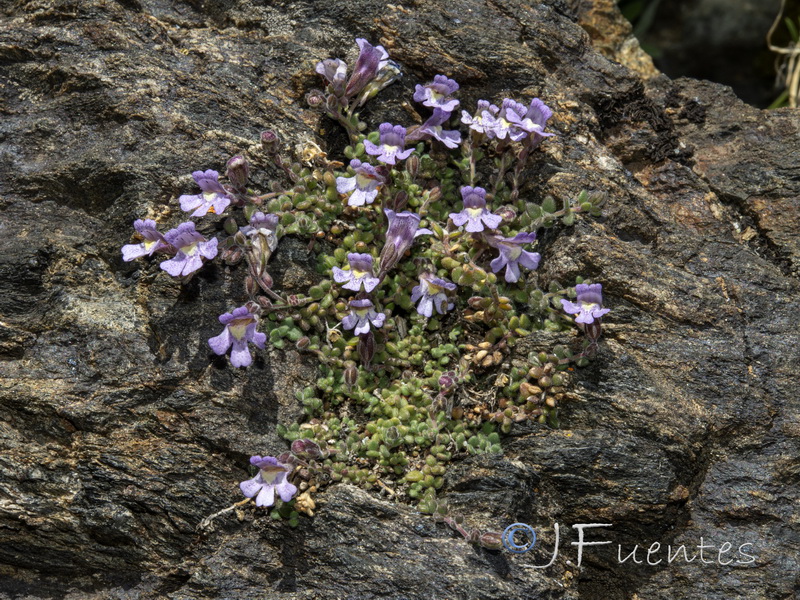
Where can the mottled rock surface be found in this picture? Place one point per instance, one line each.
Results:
(120, 431)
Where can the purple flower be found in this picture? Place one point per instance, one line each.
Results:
(213, 199)
(335, 72)
(271, 478)
(512, 255)
(260, 224)
(262, 227)
(511, 112)
(589, 303)
(191, 248)
(484, 119)
(532, 122)
(362, 313)
(431, 293)
(360, 272)
(153, 241)
(393, 140)
(475, 215)
(403, 229)
(240, 328)
(432, 128)
(436, 94)
(363, 185)
(371, 59)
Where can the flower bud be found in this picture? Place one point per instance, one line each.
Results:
(350, 374)
(447, 380)
(593, 330)
(412, 165)
(270, 141)
(238, 172)
(315, 98)
(507, 213)
(240, 238)
(232, 256)
(303, 343)
(230, 226)
(400, 201)
(250, 286)
(306, 449)
(265, 302)
(265, 281)
(491, 540)
(366, 348)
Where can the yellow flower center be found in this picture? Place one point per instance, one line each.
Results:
(238, 327)
(270, 473)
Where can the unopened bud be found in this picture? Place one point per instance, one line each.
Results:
(315, 98)
(253, 307)
(434, 194)
(250, 286)
(265, 302)
(412, 165)
(400, 200)
(265, 281)
(491, 540)
(238, 172)
(230, 226)
(507, 213)
(270, 141)
(366, 348)
(240, 238)
(232, 256)
(303, 343)
(350, 374)
(447, 380)
(593, 330)
(293, 300)
(306, 449)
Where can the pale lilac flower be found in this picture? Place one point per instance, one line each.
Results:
(532, 122)
(191, 248)
(363, 186)
(589, 305)
(262, 227)
(436, 94)
(402, 230)
(475, 215)
(393, 140)
(484, 119)
(335, 72)
(512, 255)
(240, 328)
(360, 273)
(260, 222)
(153, 241)
(213, 199)
(362, 314)
(510, 113)
(432, 128)
(271, 478)
(431, 294)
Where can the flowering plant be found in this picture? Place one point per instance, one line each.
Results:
(428, 280)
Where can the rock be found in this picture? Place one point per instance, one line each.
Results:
(121, 431)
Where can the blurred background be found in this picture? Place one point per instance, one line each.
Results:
(721, 40)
